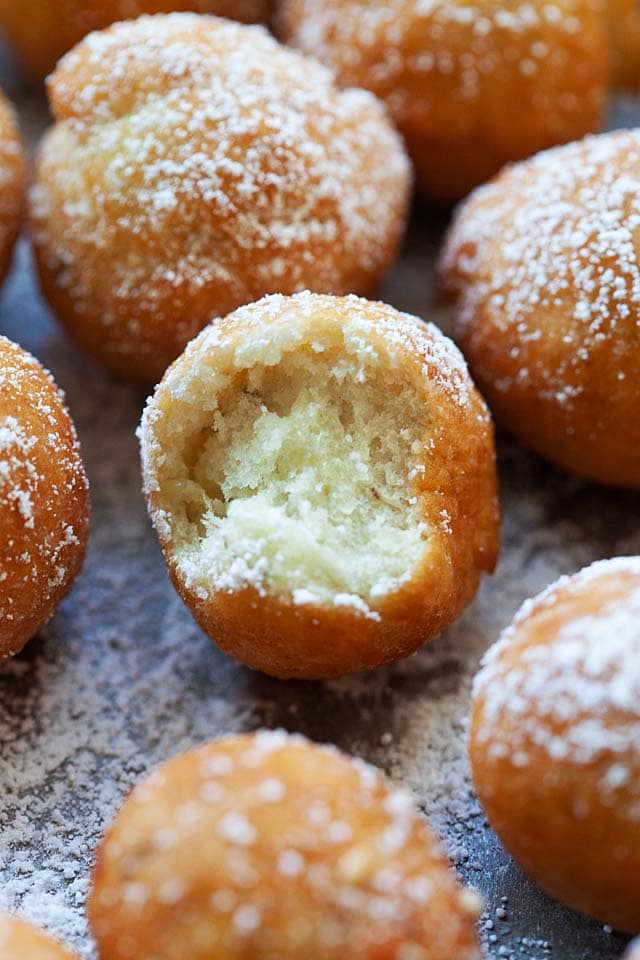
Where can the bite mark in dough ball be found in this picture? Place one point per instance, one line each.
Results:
(12, 184)
(43, 30)
(197, 165)
(267, 847)
(543, 266)
(555, 741)
(471, 85)
(20, 941)
(44, 512)
(320, 472)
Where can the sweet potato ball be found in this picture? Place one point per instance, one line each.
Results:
(543, 266)
(197, 165)
(321, 475)
(555, 741)
(471, 84)
(267, 847)
(44, 513)
(41, 31)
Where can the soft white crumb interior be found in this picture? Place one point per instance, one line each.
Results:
(300, 482)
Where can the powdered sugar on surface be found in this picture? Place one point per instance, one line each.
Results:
(122, 679)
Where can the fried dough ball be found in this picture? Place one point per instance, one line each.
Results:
(12, 184)
(471, 85)
(623, 18)
(197, 165)
(543, 265)
(266, 847)
(321, 476)
(42, 31)
(555, 741)
(43, 498)
(20, 941)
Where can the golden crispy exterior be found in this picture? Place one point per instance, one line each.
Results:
(555, 741)
(266, 847)
(471, 85)
(12, 184)
(454, 483)
(623, 19)
(21, 941)
(42, 31)
(543, 267)
(216, 167)
(43, 498)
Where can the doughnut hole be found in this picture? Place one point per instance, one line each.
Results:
(20, 941)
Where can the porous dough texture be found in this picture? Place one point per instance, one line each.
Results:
(266, 847)
(543, 267)
(471, 85)
(197, 165)
(44, 511)
(13, 178)
(321, 474)
(41, 31)
(555, 741)
(20, 941)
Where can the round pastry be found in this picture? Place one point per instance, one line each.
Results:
(43, 498)
(543, 267)
(623, 17)
(268, 847)
(555, 741)
(321, 475)
(20, 941)
(197, 165)
(42, 31)
(12, 184)
(471, 85)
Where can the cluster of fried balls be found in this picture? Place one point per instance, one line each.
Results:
(199, 169)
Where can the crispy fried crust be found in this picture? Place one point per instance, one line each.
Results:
(555, 741)
(42, 31)
(12, 184)
(266, 847)
(219, 167)
(543, 269)
(21, 941)
(470, 85)
(454, 482)
(44, 512)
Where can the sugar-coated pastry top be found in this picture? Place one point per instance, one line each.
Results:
(43, 497)
(471, 85)
(565, 676)
(12, 182)
(20, 941)
(268, 847)
(197, 165)
(43, 31)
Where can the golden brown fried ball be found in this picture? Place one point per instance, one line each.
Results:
(20, 941)
(12, 184)
(471, 85)
(543, 265)
(321, 476)
(623, 19)
(267, 847)
(43, 30)
(555, 741)
(43, 498)
(197, 165)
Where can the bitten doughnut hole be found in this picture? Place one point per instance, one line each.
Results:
(20, 941)
(303, 466)
(555, 741)
(268, 847)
